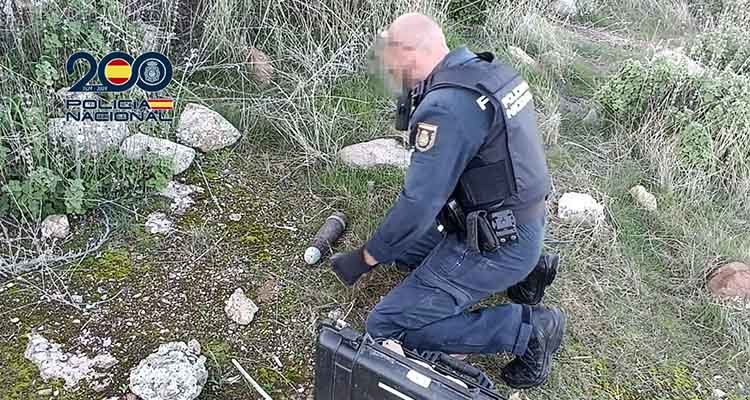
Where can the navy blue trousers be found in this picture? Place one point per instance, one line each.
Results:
(428, 310)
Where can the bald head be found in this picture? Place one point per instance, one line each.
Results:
(414, 45)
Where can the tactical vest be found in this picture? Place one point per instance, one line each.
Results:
(509, 170)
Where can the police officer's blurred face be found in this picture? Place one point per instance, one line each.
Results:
(400, 65)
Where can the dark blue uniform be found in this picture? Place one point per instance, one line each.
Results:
(428, 309)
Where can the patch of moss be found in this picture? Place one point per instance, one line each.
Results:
(664, 382)
(218, 351)
(113, 264)
(18, 375)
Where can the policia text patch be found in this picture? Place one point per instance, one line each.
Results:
(425, 136)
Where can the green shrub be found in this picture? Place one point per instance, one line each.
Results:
(708, 115)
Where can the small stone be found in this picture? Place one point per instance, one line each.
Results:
(375, 153)
(55, 226)
(565, 8)
(644, 198)
(592, 117)
(239, 308)
(580, 208)
(77, 298)
(235, 217)
(15, 320)
(679, 59)
(158, 223)
(180, 195)
(259, 65)
(523, 57)
(56, 393)
(77, 321)
(44, 392)
(336, 314)
(731, 280)
(205, 129)
(140, 146)
(719, 394)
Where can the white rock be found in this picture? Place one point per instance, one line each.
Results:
(336, 314)
(205, 129)
(376, 153)
(235, 217)
(72, 368)
(580, 208)
(565, 8)
(77, 298)
(643, 197)
(140, 146)
(677, 58)
(522, 56)
(180, 195)
(239, 308)
(175, 372)
(63, 94)
(55, 226)
(719, 394)
(158, 223)
(592, 117)
(90, 137)
(15, 320)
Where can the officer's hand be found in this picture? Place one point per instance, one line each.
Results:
(350, 266)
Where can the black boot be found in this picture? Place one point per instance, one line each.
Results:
(531, 290)
(533, 367)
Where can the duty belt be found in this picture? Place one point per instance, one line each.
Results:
(488, 230)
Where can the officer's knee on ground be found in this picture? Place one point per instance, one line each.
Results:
(379, 326)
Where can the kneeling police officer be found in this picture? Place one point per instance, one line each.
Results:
(478, 168)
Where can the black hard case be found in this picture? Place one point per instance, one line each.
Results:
(351, 366)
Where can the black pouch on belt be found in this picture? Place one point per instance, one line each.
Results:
(480, 234)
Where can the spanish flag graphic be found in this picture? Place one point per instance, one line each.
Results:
(117, 71)
(161, 104)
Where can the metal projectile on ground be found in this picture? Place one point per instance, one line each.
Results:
(327, 235)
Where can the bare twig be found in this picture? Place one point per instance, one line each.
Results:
(251, 380)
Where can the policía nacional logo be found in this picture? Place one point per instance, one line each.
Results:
(118, 72)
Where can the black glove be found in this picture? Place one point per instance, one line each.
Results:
(350, 266)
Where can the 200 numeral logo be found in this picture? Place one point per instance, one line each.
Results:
(118, 72)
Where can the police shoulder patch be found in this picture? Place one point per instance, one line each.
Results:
(425, 137)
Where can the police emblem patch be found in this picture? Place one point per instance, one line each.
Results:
(426, 136)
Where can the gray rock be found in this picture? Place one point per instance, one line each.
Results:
(677, 58)
(375, 153)
(565, 8)
(90, 137)
(592, 118)
(580, 209)
(158, 223)
(55, 226)
(204, 129)
(523, 57)
(53, 363)
(140, 146)
(180, 195)
(553, 60)
(239, 308)
(259, 65)
(176, 371)
(644, 199)
(572, 106)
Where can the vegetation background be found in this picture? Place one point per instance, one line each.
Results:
(615, 111)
